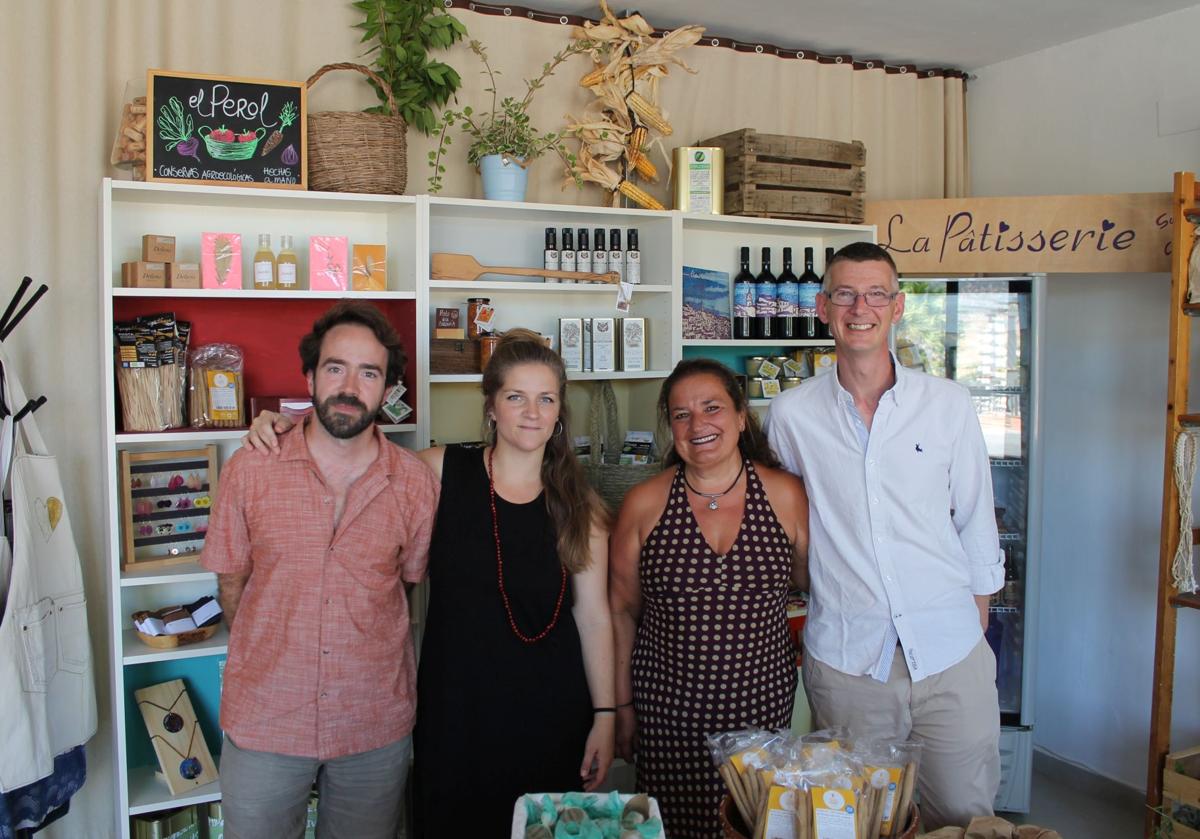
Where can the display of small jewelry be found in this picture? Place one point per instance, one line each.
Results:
(175, 733)
(166, 497)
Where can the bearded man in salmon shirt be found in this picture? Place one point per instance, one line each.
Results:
(313, 551)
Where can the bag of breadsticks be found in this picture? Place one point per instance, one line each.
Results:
(838, 805)
(139, 381)
(216, 388)
(741, 758)
(891, 769)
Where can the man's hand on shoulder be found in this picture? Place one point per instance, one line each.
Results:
(263, 434)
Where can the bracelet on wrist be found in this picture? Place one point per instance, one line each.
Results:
(604, 710)
(628, 704)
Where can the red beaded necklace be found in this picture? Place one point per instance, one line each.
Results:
(562, 591)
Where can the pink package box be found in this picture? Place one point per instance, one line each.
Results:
(221, 260)
(328, 263)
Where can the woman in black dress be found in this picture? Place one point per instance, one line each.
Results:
(515, 686)
(701, 560)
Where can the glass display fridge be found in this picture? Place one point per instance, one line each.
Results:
(986, 334)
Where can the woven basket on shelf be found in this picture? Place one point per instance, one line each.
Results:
(352, 151)
(611, 478)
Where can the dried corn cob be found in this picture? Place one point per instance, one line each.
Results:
(639, 196)
(649, 114)
(637, 139)
(646, 169)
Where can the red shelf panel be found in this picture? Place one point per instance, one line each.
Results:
(269, 333)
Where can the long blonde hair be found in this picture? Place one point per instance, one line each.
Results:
(571, 502)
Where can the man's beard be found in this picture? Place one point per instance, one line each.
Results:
(344, 426)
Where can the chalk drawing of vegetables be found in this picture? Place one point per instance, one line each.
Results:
(287, 115)
(176, 126)
(289, 156)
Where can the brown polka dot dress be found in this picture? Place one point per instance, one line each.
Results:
(712, 651)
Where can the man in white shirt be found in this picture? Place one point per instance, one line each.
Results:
(903, 548)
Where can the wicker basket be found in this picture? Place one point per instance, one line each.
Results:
(352, 151)
(611, 478)
(732, 826)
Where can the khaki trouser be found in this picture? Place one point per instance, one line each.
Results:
(359, 796)
(955, 714)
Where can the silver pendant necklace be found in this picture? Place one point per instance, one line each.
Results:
(713, 496)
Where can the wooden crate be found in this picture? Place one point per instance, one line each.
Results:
(449, 355)
(778, 176)
(1181, 786)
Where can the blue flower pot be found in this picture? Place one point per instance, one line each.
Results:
(503, 178)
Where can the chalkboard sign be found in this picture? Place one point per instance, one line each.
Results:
(225, 130)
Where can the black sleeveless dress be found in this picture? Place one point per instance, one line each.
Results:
(496, 717)
(712, 652)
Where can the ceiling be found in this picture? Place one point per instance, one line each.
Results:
(963, 34)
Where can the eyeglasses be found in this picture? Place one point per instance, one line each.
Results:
(876, 298)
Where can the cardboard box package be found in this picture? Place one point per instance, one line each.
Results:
(633, 344)
(144, 274)
(183, 274)
(604, 345)
(570, 343)
(158, 248)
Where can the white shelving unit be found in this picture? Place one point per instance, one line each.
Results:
(447, 406)
(129, 210)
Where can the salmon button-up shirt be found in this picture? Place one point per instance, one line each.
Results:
(321, 663)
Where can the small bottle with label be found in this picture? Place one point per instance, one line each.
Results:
(599, 253)
(566, 257)
(264, 264)
(551, 256)
(286, 275)
(616, 256)
(633, 259)
(583, 253)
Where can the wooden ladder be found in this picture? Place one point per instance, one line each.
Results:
(1185, 212)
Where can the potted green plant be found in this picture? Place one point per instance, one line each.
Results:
(404, 32)
(503, 140)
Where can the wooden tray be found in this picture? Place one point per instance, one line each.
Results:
(170, 642)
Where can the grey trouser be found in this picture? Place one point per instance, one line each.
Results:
(955, 714)
(266, 795)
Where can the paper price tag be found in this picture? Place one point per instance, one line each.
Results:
(624, 296)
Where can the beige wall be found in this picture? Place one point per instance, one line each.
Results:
(1082, 118)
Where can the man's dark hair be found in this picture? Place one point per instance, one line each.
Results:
(361, 313)
(861, 252)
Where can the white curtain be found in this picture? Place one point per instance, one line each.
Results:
(64, 68)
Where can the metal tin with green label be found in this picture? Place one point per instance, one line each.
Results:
(698, 179)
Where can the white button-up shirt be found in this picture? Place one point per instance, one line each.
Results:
(902, 528)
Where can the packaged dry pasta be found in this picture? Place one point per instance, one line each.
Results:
(216, 387)
(151, 357)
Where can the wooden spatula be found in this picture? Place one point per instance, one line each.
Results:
(461, 266)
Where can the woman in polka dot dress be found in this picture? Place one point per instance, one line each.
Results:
(701, 561)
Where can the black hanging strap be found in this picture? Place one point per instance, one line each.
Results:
(30, 406)
(9, 321)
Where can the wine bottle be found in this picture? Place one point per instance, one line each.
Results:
(566, 256)
(765, 297)
(788, 301)
(808, 325)
(600, 254)
(551, 256)
(583, 252)
(616, 256)
(743, 299)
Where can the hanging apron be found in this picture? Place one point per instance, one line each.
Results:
(47, 689)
